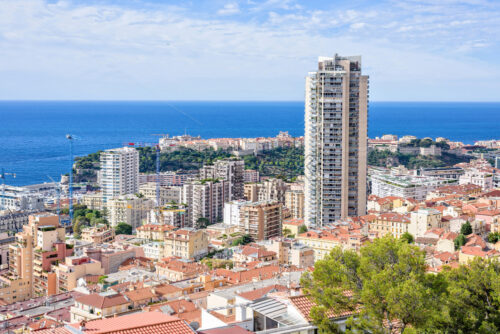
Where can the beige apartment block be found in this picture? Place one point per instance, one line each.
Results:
(186, 243)
(336, 109)
(261, 220)
(98, 234)
(75, 268)
(129, 209)
(170, 194)
(294, 201)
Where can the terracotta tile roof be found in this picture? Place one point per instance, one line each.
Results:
(477, 251)
(140, 294)
(475, 240)
(450, 236)
(265, 272)
(41, 324)
(304, 305)
(166, 289)
(139, 323)
(294, 222)
(489, 212)
(426, 241)
(395, 217)
(101, 302)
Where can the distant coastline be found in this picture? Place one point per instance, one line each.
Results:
(33, 144)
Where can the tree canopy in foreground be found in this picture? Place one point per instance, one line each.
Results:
(388, 287)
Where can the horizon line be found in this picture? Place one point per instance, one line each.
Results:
(182, 100)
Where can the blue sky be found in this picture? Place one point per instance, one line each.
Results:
(428, 50)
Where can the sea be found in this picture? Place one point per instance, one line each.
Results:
(33, 142)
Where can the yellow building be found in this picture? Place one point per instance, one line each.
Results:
(187, 243)
(390, 223)
(154, 232)
(321, 242)
(293, 225)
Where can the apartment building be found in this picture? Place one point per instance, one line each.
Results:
(261, 220)
(167, 179)
(269, 190)
(50, 249)
(168, 194)
(92, 201)
(119, 173)
(174, 214)
(154, 232)
(73, 268)
(423, 220)
(406, 186)
(232, 211)
(336, 110)
(98, 234)
(392, 223)
(294, 201)
(187, 243)
(482, 178)
(231, 170)
(129, 209)
(205, 199)
(18, 283)
(97, 306)
(251, 176)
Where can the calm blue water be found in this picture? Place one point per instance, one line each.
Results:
(33, 144)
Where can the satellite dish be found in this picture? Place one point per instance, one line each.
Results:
(194, 325)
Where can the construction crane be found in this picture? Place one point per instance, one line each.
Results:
(3, 175)
(70, 188)
(58, 191)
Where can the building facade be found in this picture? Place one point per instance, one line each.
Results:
(119, 173)
(336, 110)
(261, 220)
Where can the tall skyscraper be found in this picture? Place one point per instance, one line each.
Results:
(336, 110)
(119, 174)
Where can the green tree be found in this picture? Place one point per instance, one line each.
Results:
(466, 228)
(302, 229)
(202, 222)
(386, 283)
(286, 232)
(459, 241)
(243, 240)
(123, 228)
(78, 225)
(493, 237)
(471, 302)
(408, 237)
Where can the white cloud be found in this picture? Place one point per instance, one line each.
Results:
(69, 50)
(229, 9)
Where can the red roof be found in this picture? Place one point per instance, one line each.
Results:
(304, 305)
(139, 323)
(101, 302)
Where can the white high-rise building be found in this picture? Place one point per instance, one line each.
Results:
(119, 174)
(336, 110)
